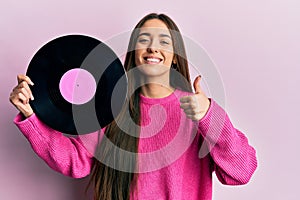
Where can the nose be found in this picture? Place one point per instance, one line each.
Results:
(153, 47)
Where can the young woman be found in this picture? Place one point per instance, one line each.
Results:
(154, 153)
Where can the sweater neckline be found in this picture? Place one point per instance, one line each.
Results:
(149, 100)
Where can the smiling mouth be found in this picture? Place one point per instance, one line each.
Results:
(152, 60)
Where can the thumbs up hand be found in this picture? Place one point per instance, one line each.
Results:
(196, 105)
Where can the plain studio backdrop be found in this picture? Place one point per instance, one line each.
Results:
(254, 44)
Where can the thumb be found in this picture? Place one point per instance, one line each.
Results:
(197, 87)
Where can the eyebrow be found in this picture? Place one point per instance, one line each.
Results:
(160, 35)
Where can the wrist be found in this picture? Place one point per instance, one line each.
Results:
(27, 114)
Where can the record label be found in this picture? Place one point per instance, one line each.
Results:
(77, 86)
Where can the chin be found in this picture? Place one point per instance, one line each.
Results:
(154, 70)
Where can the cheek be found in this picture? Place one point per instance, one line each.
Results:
(169, 58)
(137, 54)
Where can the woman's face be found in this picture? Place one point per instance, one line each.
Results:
(154, 48)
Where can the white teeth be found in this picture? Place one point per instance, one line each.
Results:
(153, 60)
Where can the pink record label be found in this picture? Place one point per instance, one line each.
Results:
(77, 86)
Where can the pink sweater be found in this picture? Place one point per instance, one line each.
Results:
(177, 156)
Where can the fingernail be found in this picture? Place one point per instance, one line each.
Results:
(31, 83)
(32, 98)
(199, 75)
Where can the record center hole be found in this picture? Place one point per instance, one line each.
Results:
(77, 86)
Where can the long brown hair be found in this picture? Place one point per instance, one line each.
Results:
(109, 182)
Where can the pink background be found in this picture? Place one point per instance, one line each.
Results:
(255, 45)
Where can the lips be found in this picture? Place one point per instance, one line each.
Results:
(152, 60)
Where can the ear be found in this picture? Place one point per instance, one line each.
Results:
(174, 61)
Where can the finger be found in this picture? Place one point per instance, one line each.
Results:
(22, 77)
(22, 108)
(21, 89)
(24, 85)
(20, 97)
(192, 112)
(187, 106)
(185, 99)
(20, 94)
(196, 85)
(19, 101)
(193, 117)
(26, 94)
(189, 116)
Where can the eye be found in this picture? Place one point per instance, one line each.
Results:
(164, 42)
(143, 41)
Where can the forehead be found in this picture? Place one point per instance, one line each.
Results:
(154, 26)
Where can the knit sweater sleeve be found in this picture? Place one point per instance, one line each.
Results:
(234, 160)
(71, 156)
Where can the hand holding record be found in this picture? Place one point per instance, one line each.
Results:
(21, 95)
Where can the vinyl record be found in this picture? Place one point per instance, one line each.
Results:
(74, 78)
